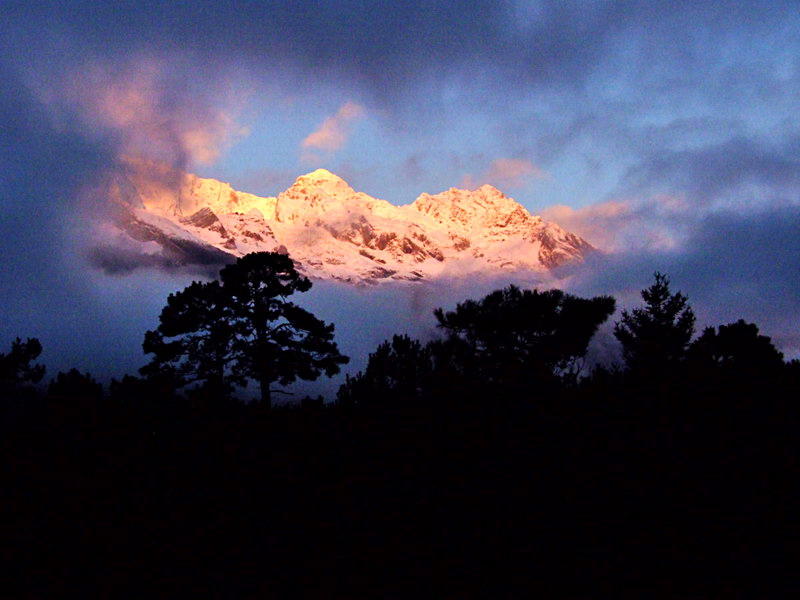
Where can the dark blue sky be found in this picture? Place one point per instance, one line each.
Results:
(667, 133)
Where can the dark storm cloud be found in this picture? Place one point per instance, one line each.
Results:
(117, 260)
(565, 55)
(43, 169)
(716, 172)
(379, 43)
(748, 263)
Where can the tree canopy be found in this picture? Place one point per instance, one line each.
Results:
(74, 385)
(16, 368)
(522, 336)
(400, 369)
(655, 337)
(225, 333)
(512, 341)
(736, 351)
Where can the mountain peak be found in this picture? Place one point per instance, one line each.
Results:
(489, 189)
(320, 176)
(485, 207)
(313, 194)
(328, 183)
(332, 232)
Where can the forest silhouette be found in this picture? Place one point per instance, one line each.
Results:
(484, 463)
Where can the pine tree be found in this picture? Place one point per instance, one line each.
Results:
(398, 370)
(515, 337)
(736, 350)
(243, 327)
(16, 370)
(655, 338)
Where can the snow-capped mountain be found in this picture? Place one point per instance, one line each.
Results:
(333, 232)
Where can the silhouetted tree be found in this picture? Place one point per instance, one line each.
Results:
(134, 390)
(737, 351)
(75, 385)
(16, 370)
(515, 336)
(194, 341)
(398, 369)
(655, 338)
(241, 328)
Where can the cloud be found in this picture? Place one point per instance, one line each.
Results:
(599, 223)
(719, 218)
(391, 50)
(658, 222)
(333, 132)
(512, 172)
(148, 108)
(660, 198)
(731, 265)
(739, 170)
(505, 173)
(411, 169)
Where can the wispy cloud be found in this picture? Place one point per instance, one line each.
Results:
(332, 134)
(149, 109)
(505, 173)
(512, 172)
(655, 223)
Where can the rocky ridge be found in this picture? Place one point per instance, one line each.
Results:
(334, 232)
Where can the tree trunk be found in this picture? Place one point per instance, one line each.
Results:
(266, 397)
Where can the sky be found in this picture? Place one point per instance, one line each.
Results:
(665, 133)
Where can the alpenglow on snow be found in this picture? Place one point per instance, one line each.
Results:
(333, 232)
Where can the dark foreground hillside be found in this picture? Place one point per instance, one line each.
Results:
(609, 488)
